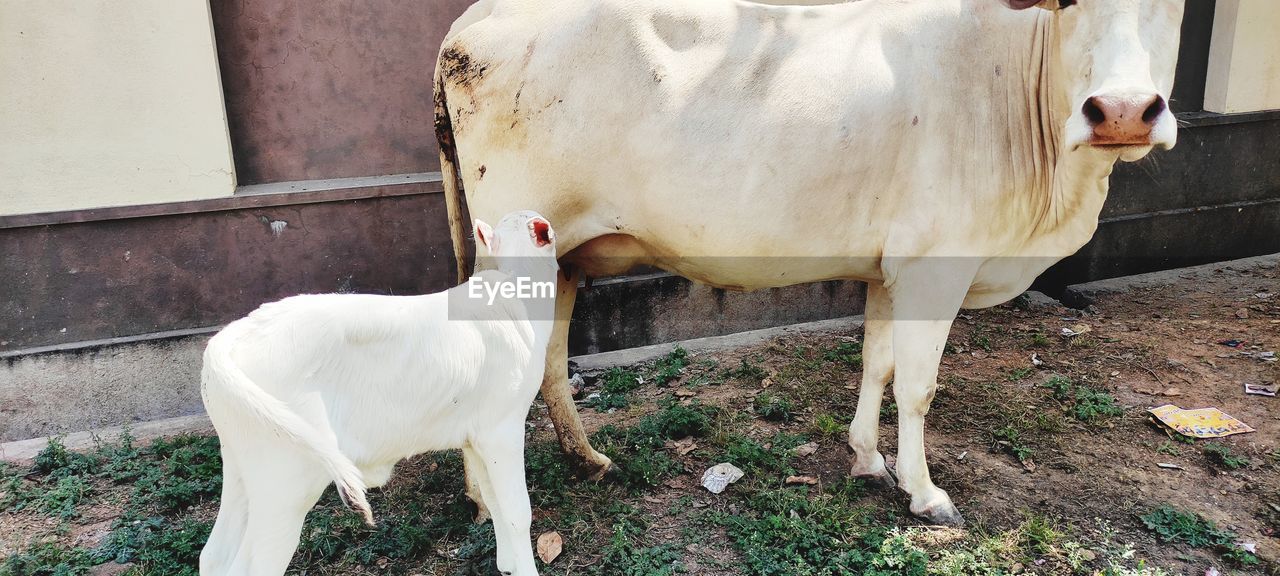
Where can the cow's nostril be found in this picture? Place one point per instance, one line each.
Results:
(1155, 110)
(1093, 112)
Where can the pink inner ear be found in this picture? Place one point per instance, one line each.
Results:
(541, 232)
(1022, 4)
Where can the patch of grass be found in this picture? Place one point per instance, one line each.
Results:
(829, 426)
(983, 341)
(62, 498)
(57, 462)
(1173, 525)
(773, 407)
(668, 368)
(847, 353)
(748, 371)
(1084, 403)
(156, 545)
(1220, 455)
(185, 471)
(1017, 374)
(615, 384)
(48, 559)
(888, 411)
(1038, 340)
(775, 457)
(639, 450)
(626, 553)
(1168, 448)
(1008, 438)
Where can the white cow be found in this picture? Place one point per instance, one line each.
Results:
(323, 389)
(944, 151)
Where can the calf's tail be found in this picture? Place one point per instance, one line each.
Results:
(228, 390)
(453, 199)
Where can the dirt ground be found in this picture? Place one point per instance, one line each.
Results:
(1067, 489)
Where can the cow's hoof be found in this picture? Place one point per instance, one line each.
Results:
(882, 479)
(609, 471)
(943, 514)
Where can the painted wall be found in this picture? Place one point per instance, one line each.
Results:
(109, 103)
(1244, 61)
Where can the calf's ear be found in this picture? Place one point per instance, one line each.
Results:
(541, 232)
(484, 235)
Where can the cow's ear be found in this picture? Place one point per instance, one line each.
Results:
(484, 235)
(1024, 4)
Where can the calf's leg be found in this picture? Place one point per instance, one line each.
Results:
(233, 514)
(877, 370)
(478, 473)
(502, 453)
(281, 486)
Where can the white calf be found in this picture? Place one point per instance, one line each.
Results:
(338, 388)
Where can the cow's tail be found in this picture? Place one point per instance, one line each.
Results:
(453, 199)
(228, 390)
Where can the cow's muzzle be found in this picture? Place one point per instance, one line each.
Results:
(1125, 119)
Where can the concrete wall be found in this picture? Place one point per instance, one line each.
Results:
(1244, 59)
(109, 103)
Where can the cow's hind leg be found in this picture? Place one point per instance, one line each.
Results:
(877, 370)
(555, 385)
(926, 296)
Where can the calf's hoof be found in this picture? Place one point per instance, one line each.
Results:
(598, 472)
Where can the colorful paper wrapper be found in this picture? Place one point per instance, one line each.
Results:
(1202, 423)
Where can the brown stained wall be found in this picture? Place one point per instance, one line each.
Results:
(332, 88)
(93, 280)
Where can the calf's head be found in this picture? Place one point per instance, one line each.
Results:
(521, 243)
(1115, 62)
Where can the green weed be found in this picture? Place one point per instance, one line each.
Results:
(773, 407)
(1220, 455)
(1009, 439)
(847, 353)
(1173, 525)
(668, 368)
(828, 426)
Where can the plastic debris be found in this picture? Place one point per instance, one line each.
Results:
(1168, 466)
(550, 544)
(1212, 572)
(1076, 330)
(1201, 423)
(720, 476)
(1233, 343)
(1262, 389)
(576, 384)
(1036, 361)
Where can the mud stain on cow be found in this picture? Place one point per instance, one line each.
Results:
(460, 69)
(482, 170)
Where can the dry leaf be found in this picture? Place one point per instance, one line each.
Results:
(550, 544)
(1173, 392)
(767, 382)
(808, 480)
(806, 449)
(682, 446)
(682, 393)
(1029, 464)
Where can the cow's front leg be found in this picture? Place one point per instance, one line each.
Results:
(926, 297)
(555, 386)
(877, 370)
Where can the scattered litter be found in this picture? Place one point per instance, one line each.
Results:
(1036, 361)
(683, 446)
(805, 480)
(767, 382)
(576, 384)
(979, 354)
(1168, 466)
(1201, 423)
(1076, 330)
(1242, 313)
(1261, 356)
(960, 458)
(1248, 546)
(720, 476)
(1262, 389)
(806, 449)
(1029, 465)
(1233, 343)
(550, 544)
(1263, 295)
(1172, 392)
(1115, 373)
(1212, 572)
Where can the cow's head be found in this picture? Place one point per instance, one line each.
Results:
(1117, 60)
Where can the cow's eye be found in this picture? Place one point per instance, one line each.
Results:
(1064, 4)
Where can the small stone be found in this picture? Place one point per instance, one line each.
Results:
(1242, 313)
